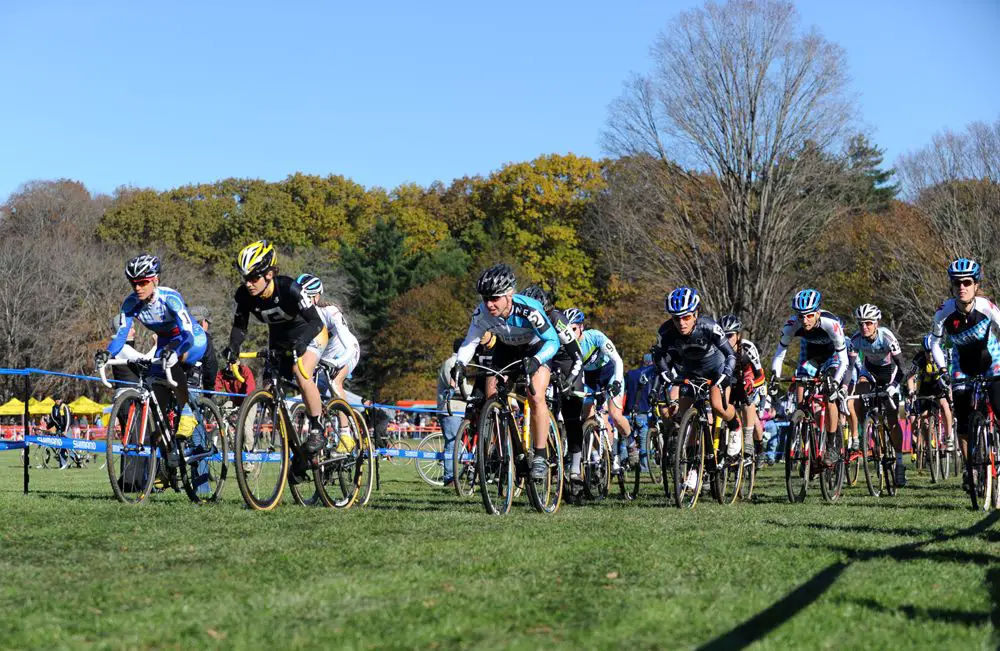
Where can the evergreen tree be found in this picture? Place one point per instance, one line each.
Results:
(875, 189)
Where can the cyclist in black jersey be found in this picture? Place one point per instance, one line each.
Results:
(294, 326)
(925, 378)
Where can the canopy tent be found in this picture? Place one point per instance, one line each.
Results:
(40, 407)
(84, 406)
(12, 407)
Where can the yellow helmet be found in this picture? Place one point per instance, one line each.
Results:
(257, 258)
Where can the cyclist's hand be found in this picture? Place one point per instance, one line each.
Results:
(458, 373)
(168, 358)
(231, 356)
(301, 348)
(723, 381)
(101, 358)
(616, 388)
(773, 387)
(531, 365)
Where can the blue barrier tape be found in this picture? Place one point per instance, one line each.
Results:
(13, 371)
(12, 445)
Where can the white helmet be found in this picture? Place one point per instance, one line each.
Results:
(867, 312)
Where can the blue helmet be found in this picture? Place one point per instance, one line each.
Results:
(928, 342)
(574, 315)
(682, 300)
(965, 268)
(311, 285)
(806, 301)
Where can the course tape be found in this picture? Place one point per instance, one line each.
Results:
(100, 447)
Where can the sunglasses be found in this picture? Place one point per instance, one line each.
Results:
(252, 278)
(493, 299)
(142, 282)
(867, 323)
(963, 282)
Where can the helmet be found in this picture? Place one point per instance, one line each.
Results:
(806, 301)
(867, 312)
(928, 342)
(965, 268)
(497, 280)
(539, 295)
(142, 266)
(311, 285)
(730, 324)
(682, 300)
(574, 315)
(257, 258)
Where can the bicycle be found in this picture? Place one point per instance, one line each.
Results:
(698, 425)
(431, 470)
(144, 439)
(268, 447)
(876, 448)
(984, 446)
(596, 457)
(466, 443)
(928, 437)
(504, 454)
(806, 444)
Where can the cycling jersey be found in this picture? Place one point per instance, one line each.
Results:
(924, 368)
(705, 353)
(342, 348)
(882, 356)
(292, 319)
(598, 351)
(823, 343)
(973, 336)
(166, 315)
(526, 326)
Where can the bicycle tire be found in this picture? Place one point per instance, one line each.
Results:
(888, 457)
(934, 454)
(654, 454)
(546, 494)
(431, 470)
(689, 455)
(464, 461)
(261, 452)
(343, 470)
(629, 480)
(596, 469)
(495, 460)
(798, 458)
(871, 455)
(749, 482)
(831, 480)
(980, 486)
(367, 442)
(729, 474)
(131, 428)
(304, 493)
(213, 473)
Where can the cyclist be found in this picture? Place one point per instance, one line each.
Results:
(342, 351)
(604, 371)
(180, 342)
(568, 362)
(883, 369)
(926, 378)
(969, 322)
(748, 388)
(523, 331)
(823, 351)
(294, 326)
(638, 383)
(692, 346)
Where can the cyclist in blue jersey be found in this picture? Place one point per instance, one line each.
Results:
(180, 342)
(823, 351)
(882, 368)
(604, 371)
(523, 332)
(970, 323)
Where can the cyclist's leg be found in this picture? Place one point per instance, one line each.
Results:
(539, 408)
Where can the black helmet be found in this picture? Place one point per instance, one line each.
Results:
(142, 266)
(730, 324)
(539, 294)
(497, 280)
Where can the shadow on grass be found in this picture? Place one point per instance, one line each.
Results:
(935, 614)
(784, 609)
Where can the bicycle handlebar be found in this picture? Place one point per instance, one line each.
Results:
(141, 360)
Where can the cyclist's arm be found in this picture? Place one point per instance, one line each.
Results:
(937, 333)
(779, 354)
(342, 332)
(184, 324)
(468, 348)
(722, 343)
(836, 333)
(547, 333)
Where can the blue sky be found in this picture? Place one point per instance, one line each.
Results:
(130, 93)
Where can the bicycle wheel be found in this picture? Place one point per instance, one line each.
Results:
(888, 458)
(933, 452)
(495, 460)
(303, 493)
(205, 455)
(946, 462)
(689, 460)
(131, 448)
(261, 451)
(981, 484)
(871, 452)
(367, 447)
(729, 475)
(546, 494)
(654, 454)
(831, 480)
(596, 462)
(749, 481)
(345, 466)
(464, 460)
(628, 479)
(431, 470)
(798, 458)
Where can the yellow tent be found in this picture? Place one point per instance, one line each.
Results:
(84, 406)
(40, 407)
(12, 407)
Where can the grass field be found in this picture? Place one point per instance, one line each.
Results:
(420, 569)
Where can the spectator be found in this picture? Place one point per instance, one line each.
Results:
(449, 424)
(637, 384)
(59, 422)
(209, 365)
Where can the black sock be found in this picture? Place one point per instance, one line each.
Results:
(314, 423)
(539, 452)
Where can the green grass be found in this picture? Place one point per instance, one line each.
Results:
(420, 569)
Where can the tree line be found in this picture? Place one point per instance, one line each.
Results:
(733, 167)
